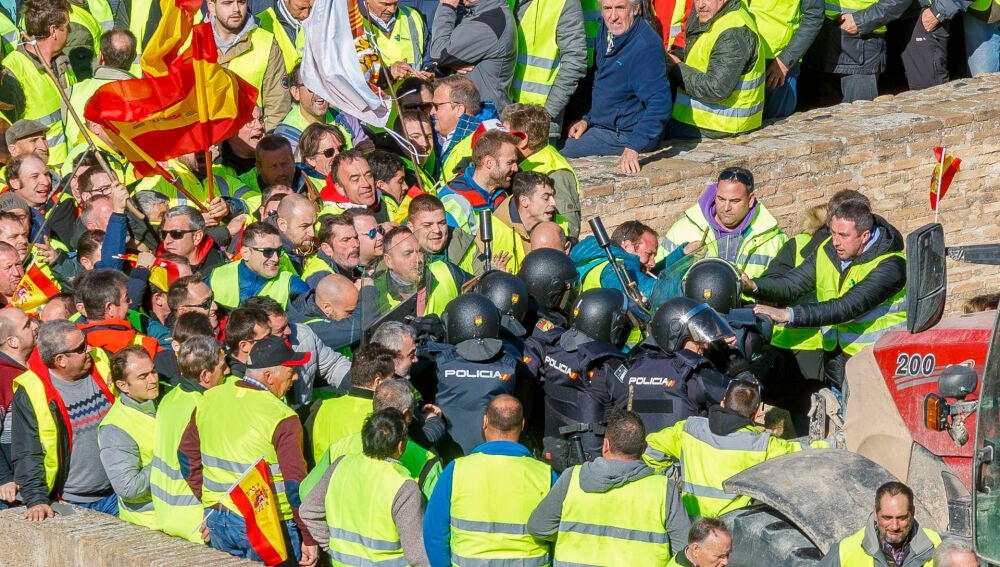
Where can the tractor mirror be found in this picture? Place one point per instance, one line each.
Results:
(926, 280)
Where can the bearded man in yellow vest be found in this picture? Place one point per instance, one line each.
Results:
(126, 434)
(720, 34)
(859, 276)
(434, 283)
(890, 536)
(542, 157)
(614, 510)
(35, 96)
(465, 498)
(251, 52)
(381, 523)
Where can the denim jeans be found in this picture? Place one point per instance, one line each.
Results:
(107, 505)
(228, 532)
(597, 141)
(982, 45)
(780, 102)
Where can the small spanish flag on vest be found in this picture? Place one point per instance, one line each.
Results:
(35, 289)
(255, 500)
(945, 168)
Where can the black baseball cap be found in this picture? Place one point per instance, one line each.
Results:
(275, 351)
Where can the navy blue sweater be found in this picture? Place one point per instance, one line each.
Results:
(631, 92)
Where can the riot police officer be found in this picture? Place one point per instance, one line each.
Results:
(552, 282)
(584, 376)
(669, 379)
(472, 368)
(510, 296)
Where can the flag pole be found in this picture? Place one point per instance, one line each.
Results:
(937, 196)
(201, 97)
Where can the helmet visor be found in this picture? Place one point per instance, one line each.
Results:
(705, 325)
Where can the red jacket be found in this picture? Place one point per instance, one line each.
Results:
(115, 334)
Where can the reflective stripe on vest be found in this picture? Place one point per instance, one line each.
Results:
(225, 281)
(101, 11)
(405, 41)
(42, 102)
(677, 19)
(624, 525)
(9, 34)
(489, 524)
(82, 17)
(291, 51)
(855, 335)
(756, 249)
(251, 65)
(362, 531)
(236, 424)
(139, 426)
(853, 554)
(742, 110)
(798, 338)
(834, 8)
(777, 21)
(178, 512)
(537, 53)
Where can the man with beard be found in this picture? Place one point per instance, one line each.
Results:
(481, 187)
(257, 272)
(440, 242)
(296, 220)
(436, 283)
(370, 236)
(339, 250)
(533, 202)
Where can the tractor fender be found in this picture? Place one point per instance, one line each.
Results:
(828, 494)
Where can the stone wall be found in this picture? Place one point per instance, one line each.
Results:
(882, 148)
(89, 538)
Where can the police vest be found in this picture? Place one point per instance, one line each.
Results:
(337, 418)
(623, 526)
(864, 330)
(291, 49)
(776, 21)
(759, 245)
(465, 388)
(45, 400)
(178, 512)
(139, 426)
(537, 53)
(251, 65)
(362, 531)
(236, 425)
(592, 19)
(567, 379)
(440, 292)
(490, 525)
(853, 554)
(834, 8)
(659, 387)
(295, 123)
(225, 282)
(547, 160)
(42, 101)
(743, 109)
(224, 186)
(9, 34)
(798, 338)
(405, 41)
(453, 166)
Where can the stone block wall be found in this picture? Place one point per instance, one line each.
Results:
(882, 148)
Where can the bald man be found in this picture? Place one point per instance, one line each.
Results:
(18, 334)
(467, 499)
(296, 221)
(336, 310)
(549, 235)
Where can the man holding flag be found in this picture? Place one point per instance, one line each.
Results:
(234, 425)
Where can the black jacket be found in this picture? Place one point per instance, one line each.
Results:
(335, 334)
(29, 455)
(882, 283)
(863, 53)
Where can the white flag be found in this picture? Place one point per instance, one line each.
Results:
(332, 64)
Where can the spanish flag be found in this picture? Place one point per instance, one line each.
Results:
(169, 37)
(154, 119)
(942, 177)
(36, 287)
(255, 500)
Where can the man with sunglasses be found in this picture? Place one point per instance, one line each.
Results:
(711, 449)
(257, 273)
(183, 232)
(58, 404)
(730, 220)
(370, 235)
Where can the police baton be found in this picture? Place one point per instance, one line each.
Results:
(630, 287)
(486, 235)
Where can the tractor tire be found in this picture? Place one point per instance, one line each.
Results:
(762, 536)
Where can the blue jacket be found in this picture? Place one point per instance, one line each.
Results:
(631, 93)
(587, 254)
(437, 517)
(251, 284)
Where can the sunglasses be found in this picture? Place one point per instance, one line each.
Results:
(732, 174)
(371, 233)
(329, 152)
(78, 350)
(266, 252)
(175, 234)
(206, 305)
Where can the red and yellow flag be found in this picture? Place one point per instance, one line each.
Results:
(36, 287)
(154, 119)
(169, 37)
(942, 177)
(255, 500)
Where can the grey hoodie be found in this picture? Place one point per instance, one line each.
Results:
(603, 475)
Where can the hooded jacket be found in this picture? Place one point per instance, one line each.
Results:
(587, 255)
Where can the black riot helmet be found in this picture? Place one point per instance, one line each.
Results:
(550, 277)
(510, 296)
(472, 324)
(716, 282)
(683, 319)
(602, 314)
